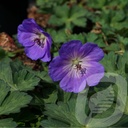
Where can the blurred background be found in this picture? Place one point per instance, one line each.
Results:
(12, 13)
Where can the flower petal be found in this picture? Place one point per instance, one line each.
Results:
(70, 49)
(73, 84)
(56, 69)
(91, 52)
(26, 39)
(47, 55)
(30, 25)
(94, 73)
(35, 52)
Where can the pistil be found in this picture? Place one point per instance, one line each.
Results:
(78, 66)
(40, 40)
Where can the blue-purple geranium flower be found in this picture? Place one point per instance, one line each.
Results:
(36, 41)
(77, 66)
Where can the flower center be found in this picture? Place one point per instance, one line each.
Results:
(78, 66)
(40, 40)
(75, 62)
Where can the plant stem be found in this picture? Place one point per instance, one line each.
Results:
(18, 51)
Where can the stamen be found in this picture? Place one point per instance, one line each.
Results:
(77, 63)
(38, 41)
(79, 68)
(83, 71)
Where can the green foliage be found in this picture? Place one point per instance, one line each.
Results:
(19, 80)
(80, 37)
(11, 103)
(6, 123)
(11, 85)
(48, 4)
(30, 98)
(61, 115)
(74, 16)
(109, 62)
(58, 36)
(53, 123)
(52, 98)
(25, 81)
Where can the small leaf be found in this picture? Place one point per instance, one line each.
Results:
(91, 37)
(4, 89)
(54, 20)
(119, 15)
(58, 36)
(80, 37)
(53, 123)
(78, 16)
(63, 112)
(5, 70)
(52, 98)
(7, 123)
(40, 74)
(74, 16)
(109, 62)
(11, 102)
(24, 80)
(59, 11)
(14, 102)
(112, 47)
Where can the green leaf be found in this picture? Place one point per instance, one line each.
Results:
(52, 98)
(62, 11)
(40, 74)
(96, 3)
(126, 108)
(21, 79)
(119, 15)
(4, 89)
(74, 16)
(109, 62)
(62, 112)
(80, 36)
(5, 71)
(58, 36)
(25, 81)
(81, 108)
(121, 64)
(91, 37)
(123, 40)
(11, 102)
(112, 47)
(47, 5)
(59, 18)
(54, 20)
(78, 16)
(53, 123)
(7, 123)
(67, 96)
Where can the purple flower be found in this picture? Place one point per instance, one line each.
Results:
(37, 43)
(77, 65)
